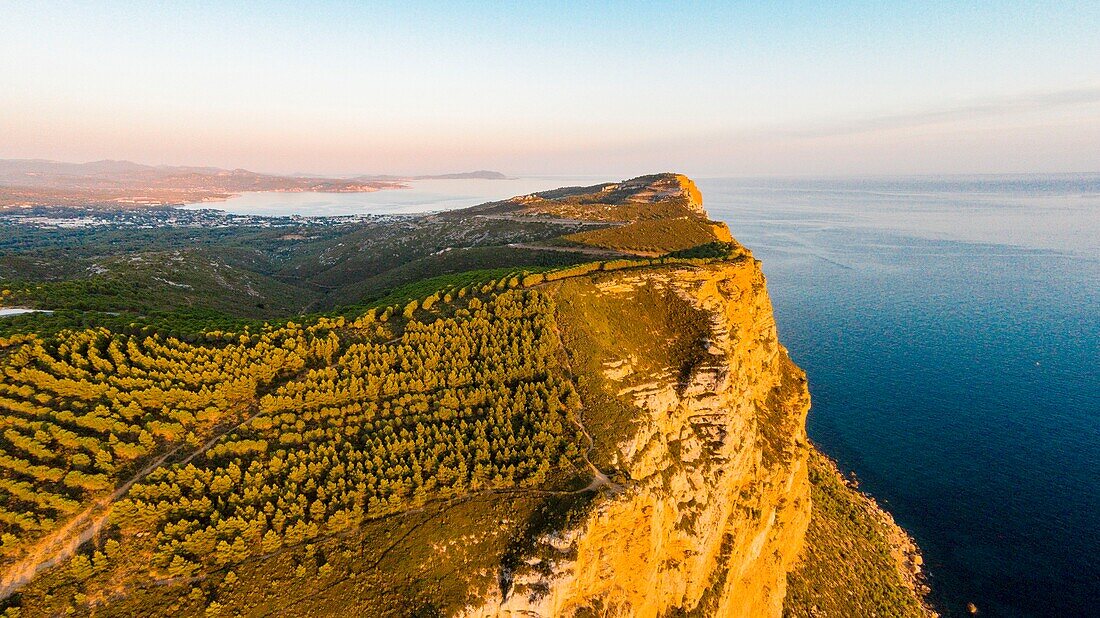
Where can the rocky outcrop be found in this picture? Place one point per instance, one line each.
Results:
(710, 498)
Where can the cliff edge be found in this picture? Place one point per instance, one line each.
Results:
(708, 497)
(697, 417)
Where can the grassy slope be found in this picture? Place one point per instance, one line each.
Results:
(651, 236)
(253, 273)
(163, 281)
(458, 264)
(431, 561)
(847, 568)
(599, 328)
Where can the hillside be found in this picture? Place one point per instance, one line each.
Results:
(618, 437)
(648, 215)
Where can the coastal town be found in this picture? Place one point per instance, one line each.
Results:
(79, 217)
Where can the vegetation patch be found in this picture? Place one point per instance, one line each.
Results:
(343, 425)
(454, 406)
(716, 250)
(84, 409)
(656, 237)
(847, 566)
(658, 333)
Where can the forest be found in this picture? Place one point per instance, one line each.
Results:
(84, 408)
(223, 446)
(460, 404)
(273, 437)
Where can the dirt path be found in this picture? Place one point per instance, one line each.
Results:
(63, 542)
(584, 250)
(206, 445)
(599, 479)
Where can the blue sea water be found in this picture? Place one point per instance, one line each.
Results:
(950, 329)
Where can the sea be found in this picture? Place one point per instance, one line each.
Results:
(950, 329)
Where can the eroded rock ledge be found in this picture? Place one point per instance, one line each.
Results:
(713, 497)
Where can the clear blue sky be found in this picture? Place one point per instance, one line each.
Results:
(557, 88)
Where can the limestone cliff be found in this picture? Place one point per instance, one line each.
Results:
(709, 499)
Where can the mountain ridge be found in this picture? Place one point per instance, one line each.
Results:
(117, 183)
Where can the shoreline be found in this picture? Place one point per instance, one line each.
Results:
(906, 553)
(201, 197)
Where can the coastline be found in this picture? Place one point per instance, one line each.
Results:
(856, 559)
(171, 201)
(228, 196)
(904, 550)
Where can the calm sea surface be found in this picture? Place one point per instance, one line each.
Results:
(950, 328)
(951, 332)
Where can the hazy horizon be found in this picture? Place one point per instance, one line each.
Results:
(557, 89)
(595, 176)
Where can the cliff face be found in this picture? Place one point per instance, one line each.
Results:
(708, 501)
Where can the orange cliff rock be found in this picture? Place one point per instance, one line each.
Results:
(712, 497)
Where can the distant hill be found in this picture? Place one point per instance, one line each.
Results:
(649, 215)
(26, 182)
(41, 182)
(478, 175)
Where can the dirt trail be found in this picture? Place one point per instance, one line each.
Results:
(218, 436)
(599, 479)
(63, 542)
(553, 220)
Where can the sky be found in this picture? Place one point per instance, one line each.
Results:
(709, 89)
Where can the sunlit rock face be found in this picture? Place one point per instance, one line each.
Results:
(710, 499)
